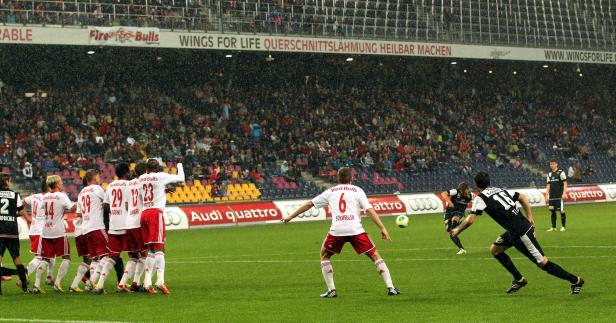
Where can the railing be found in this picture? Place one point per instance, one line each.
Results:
(535, 23)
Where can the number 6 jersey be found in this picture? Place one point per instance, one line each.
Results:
(500, 206)
(345, 204)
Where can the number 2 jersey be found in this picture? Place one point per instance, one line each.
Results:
(501, 206)
(117, 196)
(54, 206)
(152, 187)
(345, 203)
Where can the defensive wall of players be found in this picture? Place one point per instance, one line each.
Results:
(156, 38)
(185, 217)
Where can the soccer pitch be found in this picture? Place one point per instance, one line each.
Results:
(272, 273)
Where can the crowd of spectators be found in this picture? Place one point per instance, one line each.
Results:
(250, 119)
(169, 14)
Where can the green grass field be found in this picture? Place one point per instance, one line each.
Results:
(272, 273)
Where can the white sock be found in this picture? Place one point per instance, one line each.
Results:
(107, 267)
(62, 270)
(34, 264)
(97, 272)
(139, 270)
(52, 266)
(149, 270)
(93, 266)
(159, 258)
(328, 274)
(39, 272)
(129, 271)
(381, 267)
(81, 270)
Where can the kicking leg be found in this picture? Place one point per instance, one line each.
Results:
(451, 224)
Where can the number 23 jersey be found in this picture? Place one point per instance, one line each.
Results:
(345, 204)
(501, 206)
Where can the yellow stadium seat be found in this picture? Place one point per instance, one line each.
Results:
(105, 185)
(132, 166)
(82, 173)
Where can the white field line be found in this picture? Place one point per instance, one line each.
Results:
(171, 258)
(2, 319)
(457, 258)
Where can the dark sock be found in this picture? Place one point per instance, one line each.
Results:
(119, 268)
(508, 264)
(21, 272)
(553, 219)
(563, 219)
(7, 271)
(456, 240)
(557, 271)
(87, 274)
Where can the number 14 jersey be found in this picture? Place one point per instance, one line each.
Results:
(345, 204)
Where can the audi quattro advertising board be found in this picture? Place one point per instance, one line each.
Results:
(609, 190)
(535, 197)
(422, 203)
(287, 207)
(217, 214)
(583, 194)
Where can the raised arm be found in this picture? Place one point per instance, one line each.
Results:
(446, 198)
(303, 208)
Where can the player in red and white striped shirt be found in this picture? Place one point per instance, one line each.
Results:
(345, 202)
(152, 187)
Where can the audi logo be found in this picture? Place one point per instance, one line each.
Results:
(611, 192)
(312, 213)
(173, 217)
(534, 197)
(423, 203)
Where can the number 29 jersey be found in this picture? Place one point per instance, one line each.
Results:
(345, 204)
(501, 206)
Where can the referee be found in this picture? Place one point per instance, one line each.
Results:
(555, 192)
(10, 207)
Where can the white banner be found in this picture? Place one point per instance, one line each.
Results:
(610, 191)
(175, 219)
(153, 37)
(535, 197)
(422, 203)
(287, 207)
(124, 36)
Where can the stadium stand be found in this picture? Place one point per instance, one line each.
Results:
(408, 131)
(560, 24)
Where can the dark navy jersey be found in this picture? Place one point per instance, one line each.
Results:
(557, 181)
(500, 206)
(10, 204)
(460, 202)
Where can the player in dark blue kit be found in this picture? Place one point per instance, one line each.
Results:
(456, 201)
(501, 206)
(11, 207)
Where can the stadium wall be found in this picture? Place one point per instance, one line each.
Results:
(267, 212)
(155, 38)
